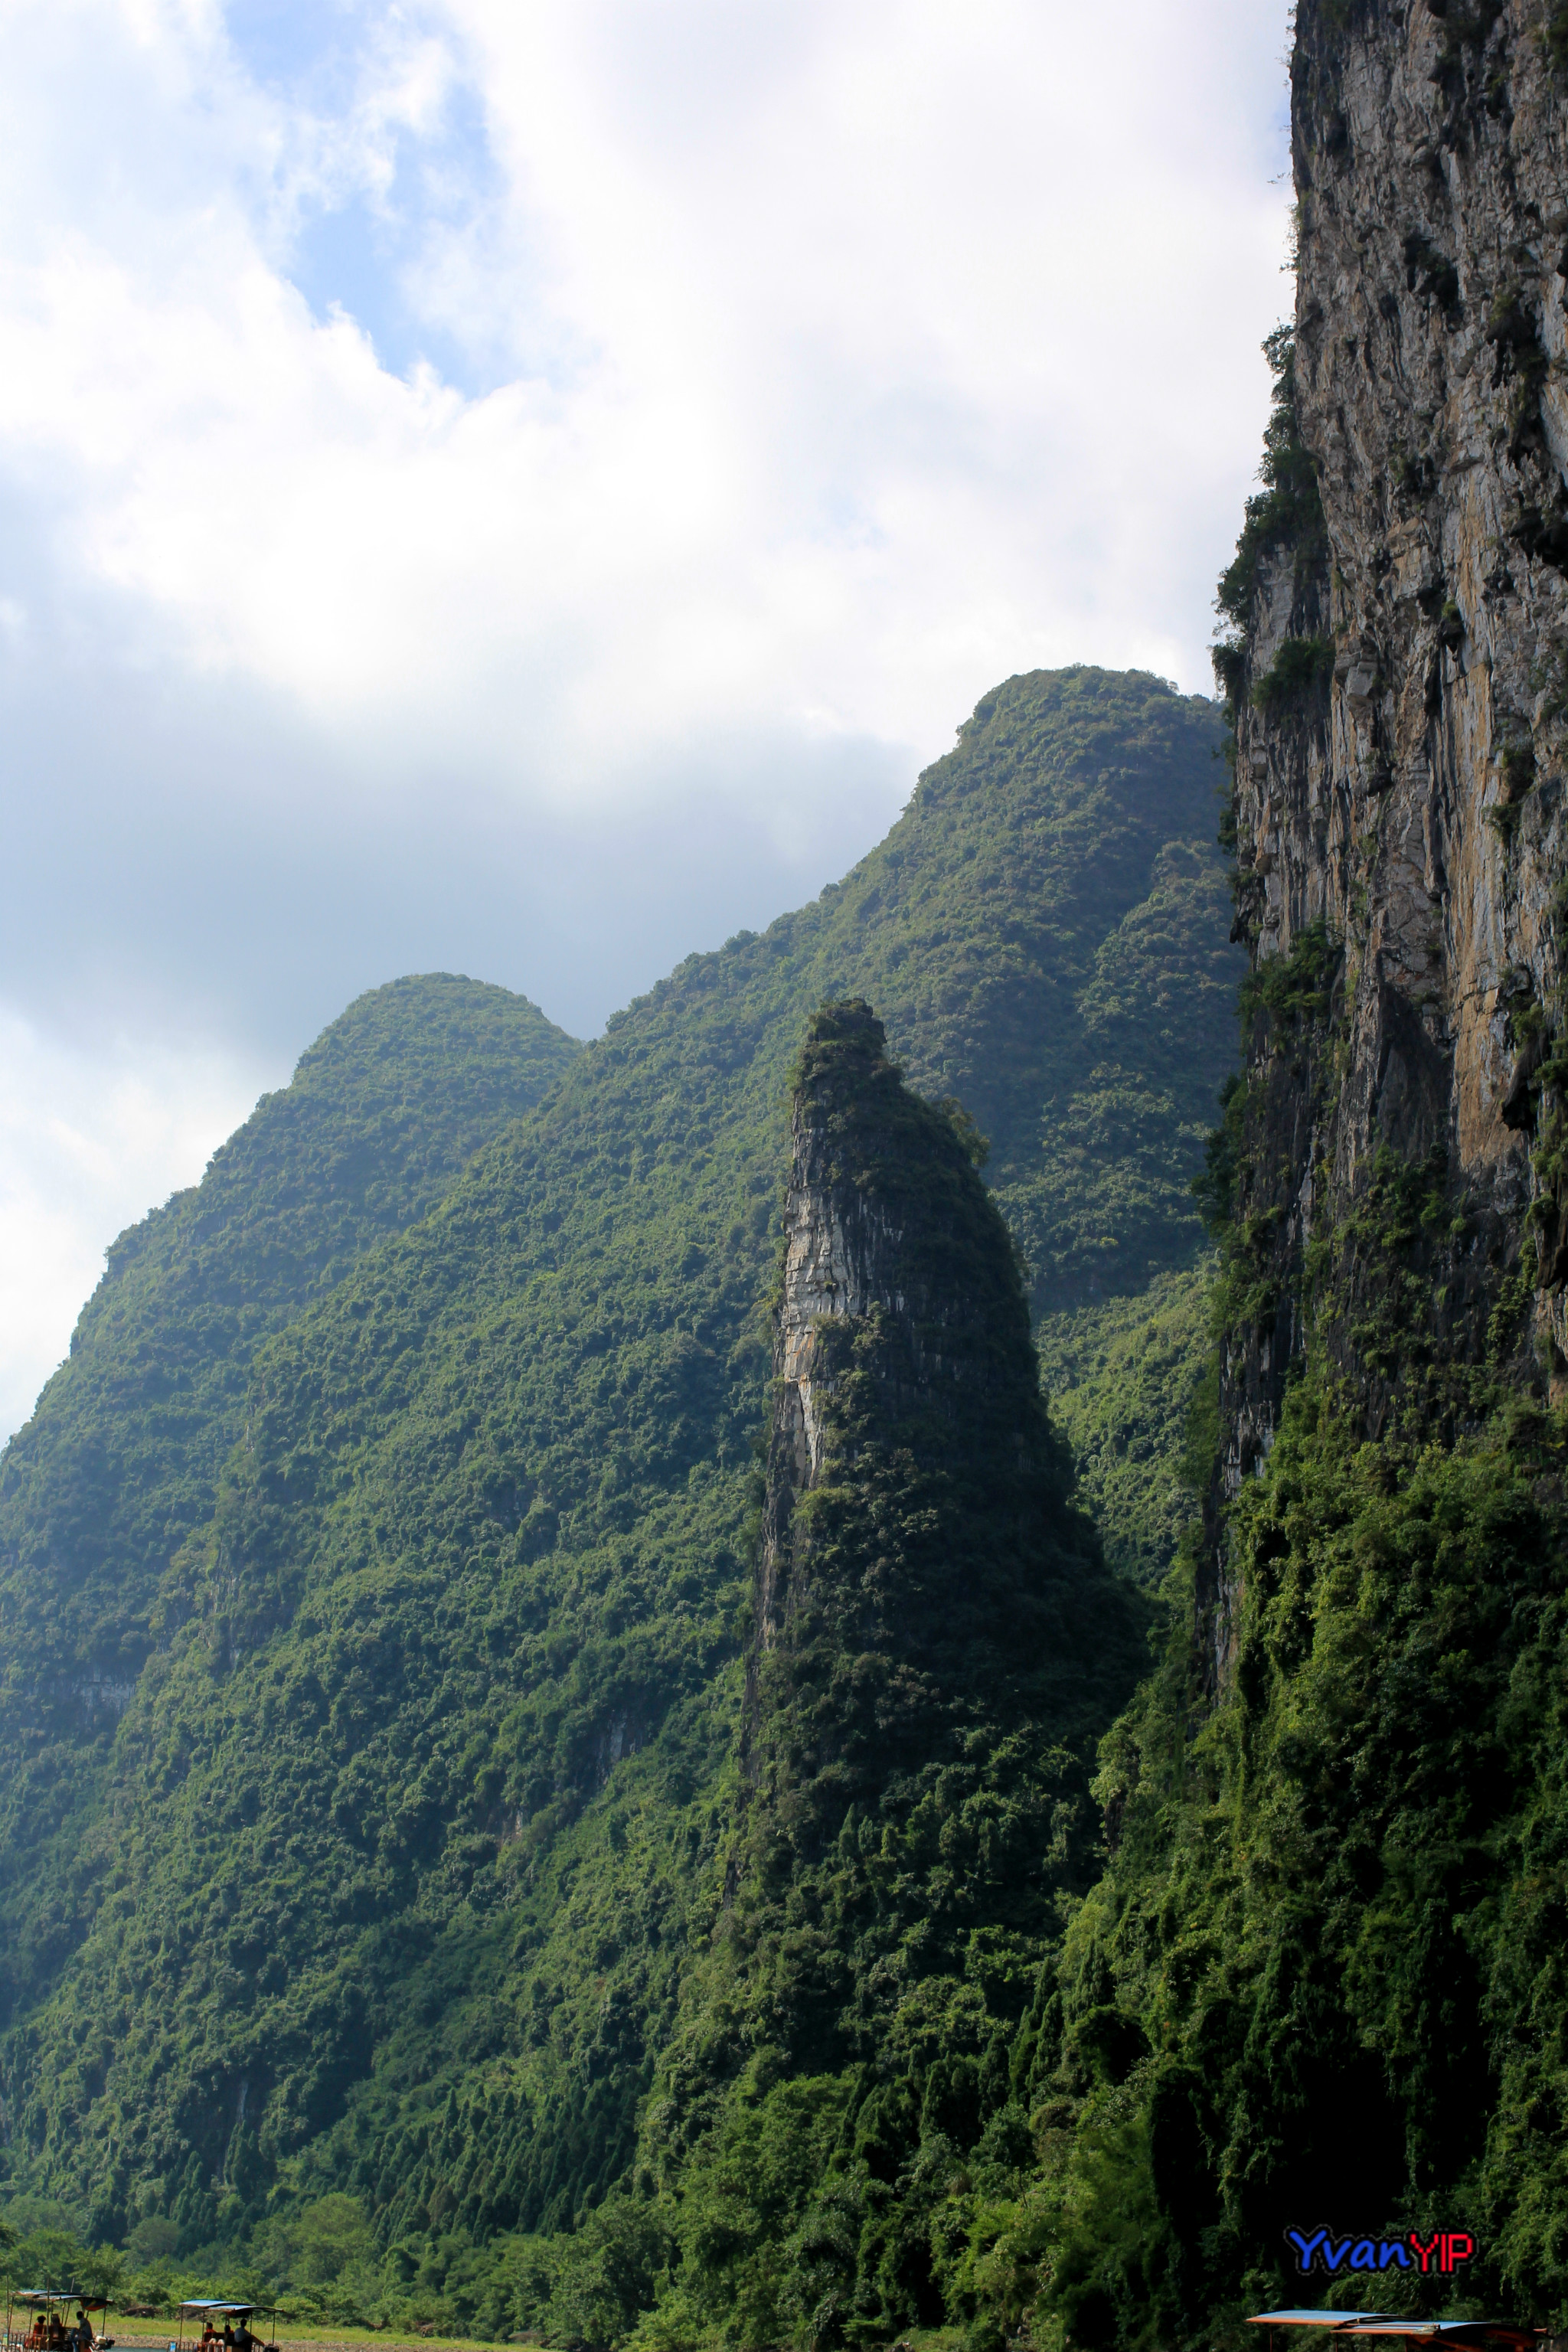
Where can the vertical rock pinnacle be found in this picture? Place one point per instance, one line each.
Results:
(918, 1544)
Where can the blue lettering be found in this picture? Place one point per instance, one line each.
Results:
(1372, 2253)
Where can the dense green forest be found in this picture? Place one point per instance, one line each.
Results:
(1124, 1377)
(380, 1892)
(120, 1463)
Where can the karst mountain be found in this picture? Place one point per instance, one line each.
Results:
(888, 1652)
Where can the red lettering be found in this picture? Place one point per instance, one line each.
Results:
(1461, 2246)
(1425, 2251)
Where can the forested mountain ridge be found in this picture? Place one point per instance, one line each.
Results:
(119, 1462)
(402, 1828)
(382, 1112)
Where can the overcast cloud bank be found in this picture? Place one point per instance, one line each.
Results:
(523, 489)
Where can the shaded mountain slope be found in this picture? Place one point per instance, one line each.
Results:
(394, 1871)
(120, 1461)
(1124, 1376)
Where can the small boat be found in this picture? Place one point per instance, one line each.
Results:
(205, 2322)
(32, 2313)
(1466, 2334)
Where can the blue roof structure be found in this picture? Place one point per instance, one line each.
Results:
(1388, 2323)
(1315, 2318)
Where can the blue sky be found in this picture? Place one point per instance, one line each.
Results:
(360, 239)
(523, 485)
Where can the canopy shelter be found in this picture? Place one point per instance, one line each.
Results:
(1467, 2335)
(197, 2316)
(45, 2302)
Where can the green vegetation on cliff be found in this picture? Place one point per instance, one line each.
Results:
(1333, 1884)
(1287, 512)
(1330, 1925)
(385, 1886)
(1123, 1378)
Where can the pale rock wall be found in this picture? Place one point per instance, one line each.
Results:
(1416, 808)
(1436, 410)
(841, 1258)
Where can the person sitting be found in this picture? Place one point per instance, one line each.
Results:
(86, 2341)
(56, 2338)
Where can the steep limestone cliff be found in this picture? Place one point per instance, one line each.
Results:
(1342, 1898)
(898, 1270)
(1400, 689)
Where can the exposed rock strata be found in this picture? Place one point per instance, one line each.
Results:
(1411, 804)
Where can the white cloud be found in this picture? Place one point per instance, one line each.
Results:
(88, 1143)
(799, 370)
(871, 349)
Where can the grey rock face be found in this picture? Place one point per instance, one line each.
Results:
(1431, 338)
(841, 1258)
(915, 1517)
(1412, 802)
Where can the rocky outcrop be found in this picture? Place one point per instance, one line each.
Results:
(899, 1319)
(937, 1649)
(1401, 690)
(875, 1254)
(920, 1567)
(841, 1260)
